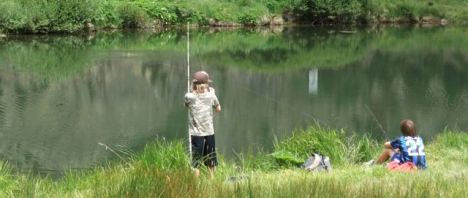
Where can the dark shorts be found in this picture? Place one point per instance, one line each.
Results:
(203, 151)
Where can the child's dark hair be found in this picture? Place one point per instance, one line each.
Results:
(408, 128)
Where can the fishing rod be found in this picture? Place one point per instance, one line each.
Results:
(377, 121)
(188, 56)
(188, 87)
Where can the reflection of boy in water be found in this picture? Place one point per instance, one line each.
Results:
(406, 152)
(201, 101)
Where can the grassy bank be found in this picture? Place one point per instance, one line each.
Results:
(161, 170)
(42, 16)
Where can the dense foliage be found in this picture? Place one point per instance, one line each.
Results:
(41, 16)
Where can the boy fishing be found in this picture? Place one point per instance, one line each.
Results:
(406, 152)
(201, 100)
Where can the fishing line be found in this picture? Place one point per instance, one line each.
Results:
(114, 152)
(377, 121)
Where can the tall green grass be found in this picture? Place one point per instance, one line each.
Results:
(341, 148)
(161, 170)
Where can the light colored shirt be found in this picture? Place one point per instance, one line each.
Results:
(201, 106)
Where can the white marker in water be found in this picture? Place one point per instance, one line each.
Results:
(313, 81)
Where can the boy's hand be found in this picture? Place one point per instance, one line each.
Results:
(189, 97)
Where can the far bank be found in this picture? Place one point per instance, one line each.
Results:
(72, 16)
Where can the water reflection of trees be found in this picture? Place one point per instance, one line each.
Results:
(294, 48)
(58, 127)
(428, 90)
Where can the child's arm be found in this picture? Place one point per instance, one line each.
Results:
(216, 104)
(189, 97)
(388, 145)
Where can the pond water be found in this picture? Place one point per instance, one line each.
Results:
(60, 96)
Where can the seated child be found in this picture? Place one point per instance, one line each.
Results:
(406, 152)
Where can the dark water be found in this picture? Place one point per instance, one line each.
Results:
(61, 96)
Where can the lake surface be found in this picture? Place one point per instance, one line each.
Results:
(60, 96)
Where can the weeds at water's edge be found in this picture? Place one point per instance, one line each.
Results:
(161, 170)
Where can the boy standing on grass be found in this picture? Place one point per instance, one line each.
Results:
(201, 101)
(406, 152)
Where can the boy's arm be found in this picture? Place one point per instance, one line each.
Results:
(388, 145)
(189, 97)
(395, 144)
(216, 104)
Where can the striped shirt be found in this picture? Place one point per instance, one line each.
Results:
(201, 107)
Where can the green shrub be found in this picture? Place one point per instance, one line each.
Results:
(10, 15)
(278, 6)
(132, 15)
(186, 13)
(247, 19)
(334, 10)
(163, 11)
(403, 9)
(44, 16)
(71, 15)
(107, 15)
